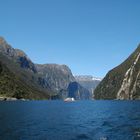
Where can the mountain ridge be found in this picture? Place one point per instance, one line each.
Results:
(122, 82)
(48, 80)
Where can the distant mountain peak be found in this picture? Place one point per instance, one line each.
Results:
(88, 81)
(87, 78)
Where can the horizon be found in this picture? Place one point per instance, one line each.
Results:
(90, 37)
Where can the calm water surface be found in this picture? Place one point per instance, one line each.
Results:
(81, 120)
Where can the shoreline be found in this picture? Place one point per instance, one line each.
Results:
(11, 99)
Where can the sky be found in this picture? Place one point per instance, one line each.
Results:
(90, 36)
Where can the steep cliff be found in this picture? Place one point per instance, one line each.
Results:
(57, 76)
(76, 91)
(123, 82)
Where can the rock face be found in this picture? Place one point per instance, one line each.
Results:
(88, 82)
(123, 82)
(76, 91)
(57, 76)
(62, 82)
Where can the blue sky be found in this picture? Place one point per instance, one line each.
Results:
(90, 36)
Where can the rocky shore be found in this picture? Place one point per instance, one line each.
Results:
(10, 99)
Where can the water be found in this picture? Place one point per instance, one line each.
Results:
(81, 120)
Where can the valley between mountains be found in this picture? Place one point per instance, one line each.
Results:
(20, 78)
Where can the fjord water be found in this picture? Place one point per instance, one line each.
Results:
(80, 120)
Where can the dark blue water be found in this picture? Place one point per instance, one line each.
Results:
(81, 120)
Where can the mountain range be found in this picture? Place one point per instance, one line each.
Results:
(21, 78)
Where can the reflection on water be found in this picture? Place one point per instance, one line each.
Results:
(81, 120)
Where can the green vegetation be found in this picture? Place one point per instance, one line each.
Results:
(15, 84)
(112, 82)
(21, 78)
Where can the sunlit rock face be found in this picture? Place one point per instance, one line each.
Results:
(123, 82)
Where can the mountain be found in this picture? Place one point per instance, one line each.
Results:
(122, 82)
(21, 78)
(12, 85)
(89, 82)
(62, 81)
(16, 55)
(57, 76)
(76, 91)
